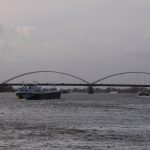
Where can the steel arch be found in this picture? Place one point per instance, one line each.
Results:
(117, 74)
(33, 72)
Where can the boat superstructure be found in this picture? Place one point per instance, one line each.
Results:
(35, 92)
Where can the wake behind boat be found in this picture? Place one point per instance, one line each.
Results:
(33, 92)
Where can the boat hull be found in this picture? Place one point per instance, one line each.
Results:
(38, 96)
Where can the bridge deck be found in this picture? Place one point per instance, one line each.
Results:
(80, 84)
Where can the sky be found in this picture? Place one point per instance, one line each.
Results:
(87, 38)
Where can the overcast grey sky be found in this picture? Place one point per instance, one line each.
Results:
(87, 38)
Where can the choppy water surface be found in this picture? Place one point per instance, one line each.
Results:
(75, 122)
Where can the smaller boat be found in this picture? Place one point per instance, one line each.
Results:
(143, 93)
(33, 92)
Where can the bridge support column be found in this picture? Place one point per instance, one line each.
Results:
(90, 90)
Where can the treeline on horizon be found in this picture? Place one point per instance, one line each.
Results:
(112, 89)
(7, 88)
(85, 90)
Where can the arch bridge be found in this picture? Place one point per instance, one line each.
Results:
(44, 79)
(47, 78)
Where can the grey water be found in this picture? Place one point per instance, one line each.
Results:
(77, 121)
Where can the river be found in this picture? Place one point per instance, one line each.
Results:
(77, 121)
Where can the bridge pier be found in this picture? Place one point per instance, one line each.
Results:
(90, 90)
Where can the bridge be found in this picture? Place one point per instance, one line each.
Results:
(54, 78)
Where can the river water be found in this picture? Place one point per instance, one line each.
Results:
(77, 121)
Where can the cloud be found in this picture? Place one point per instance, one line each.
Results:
(26, 30)
(1, 29)
(14, 42)
(147, 35)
